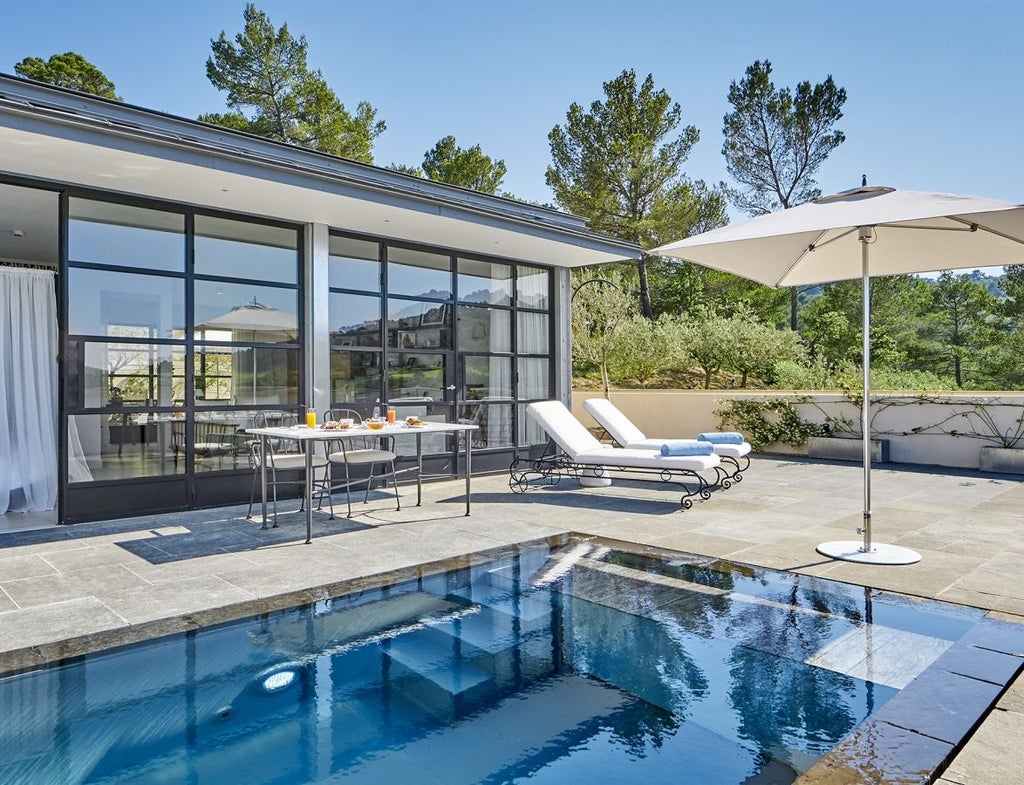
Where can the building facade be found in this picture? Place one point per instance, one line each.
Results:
(203, 275)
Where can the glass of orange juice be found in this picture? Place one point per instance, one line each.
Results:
(391, 415)
(310, 418)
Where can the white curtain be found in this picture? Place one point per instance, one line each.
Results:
(28, 390)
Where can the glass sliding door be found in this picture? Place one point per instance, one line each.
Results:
(178, 326)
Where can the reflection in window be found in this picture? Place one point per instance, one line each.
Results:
(534, 378)
(532, 288)
(105, 303)
(353, 264)
(123, 445)
(485, 329)
(487, 378)
(245, 312)
(246, 375)
(354, 319)
(529, 431)
(220, 441)
(355, 379)
(107, 233)
(494, 421)
(532, 333)
(485, 282)
(416, 375)
(419, 325)
(103, 373)
(419, 274)
(240, 249)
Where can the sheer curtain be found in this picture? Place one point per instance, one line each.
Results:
(28, 390)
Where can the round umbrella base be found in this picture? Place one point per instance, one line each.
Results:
(853, 550)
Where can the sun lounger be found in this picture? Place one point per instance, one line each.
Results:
(626, 434)
(584, 456)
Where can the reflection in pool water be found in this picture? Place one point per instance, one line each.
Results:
(578, 663)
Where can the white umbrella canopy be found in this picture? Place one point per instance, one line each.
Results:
(896, 232)
(818, 242)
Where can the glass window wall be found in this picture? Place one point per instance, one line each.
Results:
(117, 304)
(485, 329)
(126, 236)
(354, 319)
(489, 283)
(419, 273)
(353, 264)
(239, 249)
(245, 375)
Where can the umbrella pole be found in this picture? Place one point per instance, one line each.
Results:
(867, 552)
(865, 237)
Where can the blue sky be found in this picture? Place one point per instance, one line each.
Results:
(934, 85)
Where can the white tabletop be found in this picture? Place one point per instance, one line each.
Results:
(304, 433)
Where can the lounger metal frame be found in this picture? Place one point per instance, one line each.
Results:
(552, 468)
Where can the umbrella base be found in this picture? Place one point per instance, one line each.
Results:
(853, 550)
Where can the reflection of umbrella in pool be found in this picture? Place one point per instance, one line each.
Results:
(897, 232)
(262, 323)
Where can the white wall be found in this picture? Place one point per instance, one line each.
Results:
(685, 413)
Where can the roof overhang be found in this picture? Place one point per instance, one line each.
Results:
(68, 138)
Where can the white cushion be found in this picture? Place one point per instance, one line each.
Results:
(559, 423)
(362, 456)
(618, 425)
(647, 459)
(293, 461)
(728, 450)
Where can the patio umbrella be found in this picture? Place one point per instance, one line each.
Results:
(897, 232)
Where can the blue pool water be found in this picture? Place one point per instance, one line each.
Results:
(580, 663)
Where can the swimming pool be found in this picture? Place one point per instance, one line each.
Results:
(588, 661)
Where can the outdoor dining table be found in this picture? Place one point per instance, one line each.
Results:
(309, 437)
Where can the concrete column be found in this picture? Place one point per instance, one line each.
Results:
(317, 349)
(562, 324)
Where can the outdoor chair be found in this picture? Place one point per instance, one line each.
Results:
(282, 454)
(626, 434)
(371, 450)
(583, 456)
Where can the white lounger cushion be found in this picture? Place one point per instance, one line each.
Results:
(622, 430)
(646, 459)
(581, 446)
(728, 450)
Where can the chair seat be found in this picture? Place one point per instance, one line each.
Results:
(362, 456)
(293, 461)
(211, 448)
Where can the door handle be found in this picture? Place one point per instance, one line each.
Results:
(450, 387)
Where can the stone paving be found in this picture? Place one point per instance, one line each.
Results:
(67, 590)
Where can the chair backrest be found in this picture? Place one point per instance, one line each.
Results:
(618, 425)
(343, 414)
(277, 419)
(568, 432)
(274, 419)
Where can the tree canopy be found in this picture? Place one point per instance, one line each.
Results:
(68, 70)
(272, 92)
(619, 166)
(776, 140)
(446, 162)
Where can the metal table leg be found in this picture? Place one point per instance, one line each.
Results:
(469, 464)
(419, 468)
(309, 490)
(263, 478)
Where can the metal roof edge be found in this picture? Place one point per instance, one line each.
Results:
(18, 94)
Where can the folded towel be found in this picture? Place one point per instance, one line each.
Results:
(687, 447)
(722, 437)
